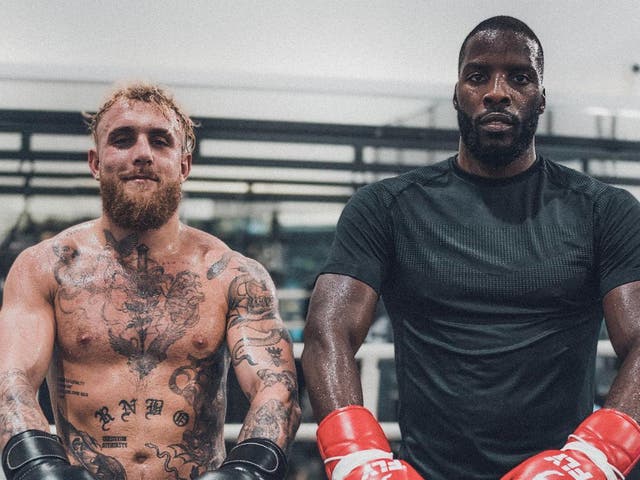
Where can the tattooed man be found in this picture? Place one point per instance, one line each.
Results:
(134, 319)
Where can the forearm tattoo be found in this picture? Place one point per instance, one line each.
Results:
(273, 420)
(19, 408)
(86, 450)
(145, 308)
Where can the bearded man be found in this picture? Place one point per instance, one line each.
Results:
(495, 266)
(131, 318)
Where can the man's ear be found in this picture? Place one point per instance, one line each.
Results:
(455, 96)
(94, 163)
(543, 102)
(185, 165)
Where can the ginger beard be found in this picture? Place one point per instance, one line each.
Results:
(141, 212)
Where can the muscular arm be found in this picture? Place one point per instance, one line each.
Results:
(262, 356)
(622, 314)
(340, 314)
(27, 333)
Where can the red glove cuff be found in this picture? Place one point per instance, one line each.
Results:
(347, 430)
(615, 434)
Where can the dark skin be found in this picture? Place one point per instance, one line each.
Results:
(498, 68)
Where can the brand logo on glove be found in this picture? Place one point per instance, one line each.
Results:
(373, 469)
(569, 465)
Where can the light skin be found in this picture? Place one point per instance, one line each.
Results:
(135, 331)
(341, 308)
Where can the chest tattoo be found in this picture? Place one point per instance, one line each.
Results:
(145, 308)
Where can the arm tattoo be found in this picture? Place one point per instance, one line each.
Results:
(287, 378)
(250, 297)
(272, 337)
(18, 404)
(272, 420)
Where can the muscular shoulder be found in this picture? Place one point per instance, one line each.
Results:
(41, 257)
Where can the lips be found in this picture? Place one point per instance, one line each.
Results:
(497, 122)
(497, 117)
(140, 176)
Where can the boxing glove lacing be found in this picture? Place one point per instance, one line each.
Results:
(346, 463)
(596, 455)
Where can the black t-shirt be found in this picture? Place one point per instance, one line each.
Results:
(494, 289)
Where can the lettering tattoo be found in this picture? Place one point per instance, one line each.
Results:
(86, 450)
(270, 337)
(202, 383)
(18, 404)
(145, 308)
(67, 386)
(154, 407)
(105, 417)
(127, 408)
(111, 441)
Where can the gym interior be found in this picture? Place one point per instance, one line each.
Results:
(299, 104)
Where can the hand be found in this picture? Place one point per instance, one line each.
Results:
(354, 447)
(251, 459)
(605, 446)
(38, 455)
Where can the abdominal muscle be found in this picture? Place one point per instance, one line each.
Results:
(166, 426)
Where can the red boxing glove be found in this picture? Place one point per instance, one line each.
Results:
(605, 446)
(354, 447)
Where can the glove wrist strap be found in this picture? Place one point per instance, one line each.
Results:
(258, 454)
(28, 446)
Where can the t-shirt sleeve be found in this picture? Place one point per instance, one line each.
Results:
(618, 240)
(362, 243)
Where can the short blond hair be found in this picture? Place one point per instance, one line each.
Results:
(148, 93)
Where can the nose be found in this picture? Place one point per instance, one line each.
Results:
(498, 93)
(143, 153)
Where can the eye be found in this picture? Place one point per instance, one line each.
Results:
(121, 141)
(161, 141)
(475, 77)
(521, 79)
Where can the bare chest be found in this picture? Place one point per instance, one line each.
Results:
(139, 311)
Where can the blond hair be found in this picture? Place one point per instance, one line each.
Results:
(148, 93)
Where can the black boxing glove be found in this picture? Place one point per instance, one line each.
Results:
(38, 455)
(251, 459)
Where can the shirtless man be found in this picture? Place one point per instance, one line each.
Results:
(134, 319)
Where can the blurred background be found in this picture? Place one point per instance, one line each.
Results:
(300, 103)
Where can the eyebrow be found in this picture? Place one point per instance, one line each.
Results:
(514, 66)
(130, 130)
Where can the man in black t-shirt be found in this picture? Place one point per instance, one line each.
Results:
(496, 267)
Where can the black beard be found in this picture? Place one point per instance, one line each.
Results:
(139, 215)
(498, 156)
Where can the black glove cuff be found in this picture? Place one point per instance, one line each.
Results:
(261, 455)
(28, 446)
